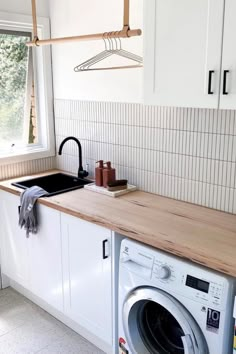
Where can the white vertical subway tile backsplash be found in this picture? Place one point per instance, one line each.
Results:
(27, 167)
(182, 153)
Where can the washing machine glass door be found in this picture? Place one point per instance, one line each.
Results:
(156, 323)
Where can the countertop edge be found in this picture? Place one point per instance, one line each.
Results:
(160, 242)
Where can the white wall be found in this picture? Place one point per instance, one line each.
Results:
(24, 7)
(186, 154)
(76, 17)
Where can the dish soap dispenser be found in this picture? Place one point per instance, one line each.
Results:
(99, 174)
(109, 174)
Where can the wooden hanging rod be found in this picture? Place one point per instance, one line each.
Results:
(87, 37)
(124, 33)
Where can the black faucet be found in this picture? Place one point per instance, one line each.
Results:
(81, 172)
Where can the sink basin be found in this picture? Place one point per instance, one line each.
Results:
(55, 183)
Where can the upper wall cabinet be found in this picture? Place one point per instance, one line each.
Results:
(228, 82)
(183, 52)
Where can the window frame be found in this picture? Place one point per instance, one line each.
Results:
(43, 90)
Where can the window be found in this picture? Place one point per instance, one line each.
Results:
(18, 125)
(26, 120)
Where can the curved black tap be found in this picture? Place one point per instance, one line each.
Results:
(81, 172)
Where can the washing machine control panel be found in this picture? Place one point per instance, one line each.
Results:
(206, 290)
(187, 281)
(174, 275)
(209, 291)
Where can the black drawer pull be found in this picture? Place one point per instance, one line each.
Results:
(104, 256)
(210, 92)
(225, 82)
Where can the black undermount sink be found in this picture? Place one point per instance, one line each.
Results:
(55, 183)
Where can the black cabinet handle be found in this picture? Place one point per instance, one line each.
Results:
(225, 82)
(210, 92)
(104, 256)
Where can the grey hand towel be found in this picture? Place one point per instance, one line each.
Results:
(28, 213)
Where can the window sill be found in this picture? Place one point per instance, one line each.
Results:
(26, 155)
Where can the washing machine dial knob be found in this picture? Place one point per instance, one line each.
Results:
(164, 272)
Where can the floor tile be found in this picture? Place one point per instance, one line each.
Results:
(71, 344)
(25, 328)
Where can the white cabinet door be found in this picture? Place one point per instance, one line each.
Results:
(228, 82)
(87, 275)
(182, 49)
(45, 261)
(14, 244)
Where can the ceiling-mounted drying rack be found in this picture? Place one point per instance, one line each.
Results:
(126, 32)
(112, 48)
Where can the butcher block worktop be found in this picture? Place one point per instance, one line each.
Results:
(205, 236)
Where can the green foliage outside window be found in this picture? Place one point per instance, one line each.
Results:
(13, 75)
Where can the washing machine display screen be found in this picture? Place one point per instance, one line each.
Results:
(197, 284)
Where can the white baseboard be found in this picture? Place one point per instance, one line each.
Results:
(62, 317)
(5, 281)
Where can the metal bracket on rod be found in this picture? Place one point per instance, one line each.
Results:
(124, 33)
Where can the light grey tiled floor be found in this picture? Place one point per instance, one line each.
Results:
(26, 329)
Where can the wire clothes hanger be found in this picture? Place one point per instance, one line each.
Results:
(95, 59)
(112, 47)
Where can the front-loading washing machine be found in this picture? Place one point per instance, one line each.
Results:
(171, 306)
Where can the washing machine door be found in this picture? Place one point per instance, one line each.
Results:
(156, 323)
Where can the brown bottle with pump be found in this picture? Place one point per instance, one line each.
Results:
(109, 174)
(99, 174)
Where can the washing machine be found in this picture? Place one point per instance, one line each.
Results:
(171, 306)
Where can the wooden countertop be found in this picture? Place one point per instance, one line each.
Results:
(205, 236)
